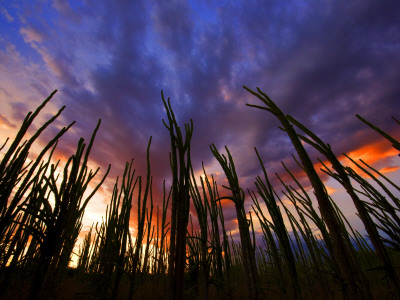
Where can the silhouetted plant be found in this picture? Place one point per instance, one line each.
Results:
(136, 249)
(267, 193)
(180, 166)
(63, 221)
(313, 252)
(356, 285)
(15, 173)
(342, 177)
(238, 197)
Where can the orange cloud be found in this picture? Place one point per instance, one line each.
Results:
(388, 169)
(373, 152)
(5, 123)
(330, 190)
(370, 154)
(226, 202)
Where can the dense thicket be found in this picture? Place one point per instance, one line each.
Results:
(307, 246)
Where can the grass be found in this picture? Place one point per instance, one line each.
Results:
(306, 251)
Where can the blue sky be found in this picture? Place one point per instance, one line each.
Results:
(320, 61)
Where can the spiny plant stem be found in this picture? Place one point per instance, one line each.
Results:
(248, 252)
(343, 252)
(180, 165)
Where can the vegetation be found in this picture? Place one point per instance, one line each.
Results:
(306, 250)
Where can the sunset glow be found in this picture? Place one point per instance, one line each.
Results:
(321, 63)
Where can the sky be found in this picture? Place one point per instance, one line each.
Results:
(322, 62)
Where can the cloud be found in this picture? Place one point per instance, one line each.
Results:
(5, 12)
(32, 34)
(386, 170)
(5, 123)
(372, 153)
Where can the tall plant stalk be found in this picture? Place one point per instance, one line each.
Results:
(201, 205)
(342, 177)
(64, 219)
(15, 173)
(180, 166)
(238, 197)
(356, 285)
(141, 214)
(266, 192)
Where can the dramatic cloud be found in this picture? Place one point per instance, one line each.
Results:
(321, 62)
